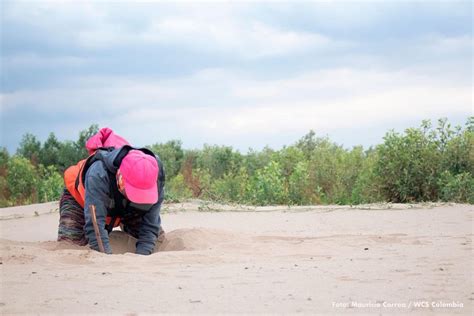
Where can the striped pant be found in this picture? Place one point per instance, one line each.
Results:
(72, 221)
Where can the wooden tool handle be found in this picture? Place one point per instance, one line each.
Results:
(96, 229)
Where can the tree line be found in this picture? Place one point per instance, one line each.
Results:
(428, 163)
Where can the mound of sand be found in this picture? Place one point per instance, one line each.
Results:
(185, 239)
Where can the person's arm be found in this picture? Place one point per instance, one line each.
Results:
(149, 230)
(96, 191)
(151, 221)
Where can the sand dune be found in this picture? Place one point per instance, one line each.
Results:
(330, 260)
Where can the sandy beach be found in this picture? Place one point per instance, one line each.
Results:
(229, 259)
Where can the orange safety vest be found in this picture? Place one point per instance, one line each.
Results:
(73, 180)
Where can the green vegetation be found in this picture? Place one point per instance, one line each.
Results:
(34, 174)
(422, 164)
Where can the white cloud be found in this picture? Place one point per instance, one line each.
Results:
(217, 101)
(55, 16)
(151, 117)
(216, 104)
(288, 117)
(229, 34)
(217, 28)
(32, 60)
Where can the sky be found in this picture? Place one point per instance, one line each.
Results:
(244, 74)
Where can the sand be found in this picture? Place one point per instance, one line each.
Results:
(385, 259)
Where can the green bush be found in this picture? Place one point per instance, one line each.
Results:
(299, 190)
(326, 164)
(267, 186)
(255, 160)
(4, 192)
(68, 155)
(232, 187)
(421, 164)
(4, 156)
(50, 184)
(171, 154)
(80, 144)
(366, 188)
(204, 183)
(22, 181)
(50, 151)
(30, 148)
(456, 188)
(176, 189)
(218, 160)
(412, 166)
(458, 148)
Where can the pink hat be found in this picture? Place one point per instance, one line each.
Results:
(140, 174)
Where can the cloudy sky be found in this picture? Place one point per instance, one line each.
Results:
(245, 74)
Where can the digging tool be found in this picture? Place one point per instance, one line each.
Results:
(96, 229)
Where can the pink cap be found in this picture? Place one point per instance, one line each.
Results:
(140, 174)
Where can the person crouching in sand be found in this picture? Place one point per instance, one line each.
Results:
(125, 186)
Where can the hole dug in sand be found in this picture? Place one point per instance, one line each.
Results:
(176, 240)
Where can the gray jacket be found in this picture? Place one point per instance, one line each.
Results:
(97, 192)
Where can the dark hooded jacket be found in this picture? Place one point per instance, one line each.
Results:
(98, 193)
